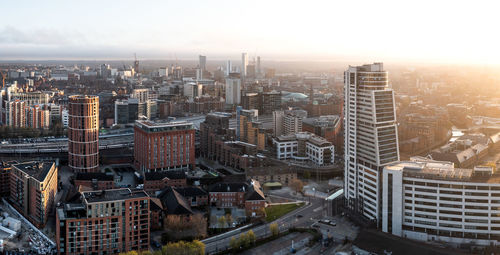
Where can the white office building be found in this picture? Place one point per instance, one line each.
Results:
(429, 200)
(371, 140)
(233, 91)
(192, 90)
(244, 64)
(304, 146)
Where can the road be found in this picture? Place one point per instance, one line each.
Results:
(310, 213)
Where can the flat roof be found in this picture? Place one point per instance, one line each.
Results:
(151, 126)
(112, 195)
(35, 169)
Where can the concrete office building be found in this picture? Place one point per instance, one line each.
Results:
(203, 63)
(233, 91)
(371, 140)
(244, 64)
(162, 146)
(104, 222)
(433, 201)
(83, 133)
(304, 146)
(192, 90)
(229, 68)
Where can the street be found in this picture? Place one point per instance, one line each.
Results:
(311, 212)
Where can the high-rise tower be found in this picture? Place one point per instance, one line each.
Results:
(203, 63)
(83, 133)
(371, 139)
(244, 64)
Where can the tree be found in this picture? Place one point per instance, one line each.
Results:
(179, 248)
(251, 236)
(307, 175)
(244, 241)
(234, 244)
(297, 185)
(158, 252)
(199, 225)
(129, 253)
(229, 219)
(274, 229)
(221, 221)
(146, 253)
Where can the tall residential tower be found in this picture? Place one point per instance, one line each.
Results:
(83, 133)
(371, 140)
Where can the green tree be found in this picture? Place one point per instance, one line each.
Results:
(274, 229)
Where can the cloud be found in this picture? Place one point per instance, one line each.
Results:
(39, 36)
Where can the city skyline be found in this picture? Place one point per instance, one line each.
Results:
(327, 31)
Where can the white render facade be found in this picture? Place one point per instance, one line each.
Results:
(233, 91)
(433, 201)
(370, 136)
(305, 146)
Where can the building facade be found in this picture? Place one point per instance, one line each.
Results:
(33, 187)
(370, 140)
(104, 222)
(429, 200)
(163, 145)
(304, 146)
(83, 133)
(233, 91)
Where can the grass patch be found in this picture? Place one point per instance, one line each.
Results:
(275, 211)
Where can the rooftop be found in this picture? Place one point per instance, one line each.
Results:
(94, 176)
(172, 175)
(36, 169)
(112, 195)
(151, 126)
(442, 170)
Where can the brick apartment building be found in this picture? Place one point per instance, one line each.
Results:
(246, 195)
(5, 168)
(104, 222)
(96, 181)
(33, 186)
(163, 145)
(159, 180)
(83, 133)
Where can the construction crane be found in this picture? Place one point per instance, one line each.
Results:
(3, 78)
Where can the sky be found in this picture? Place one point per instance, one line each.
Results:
(442, 31)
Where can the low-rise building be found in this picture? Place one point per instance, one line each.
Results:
(96, 181)
(155, 181)
(305, 146)
(246, 195)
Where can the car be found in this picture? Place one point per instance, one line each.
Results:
(155, 244)
(315, 226)
(299, 216)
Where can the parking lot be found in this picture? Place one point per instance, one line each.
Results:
(341, 228)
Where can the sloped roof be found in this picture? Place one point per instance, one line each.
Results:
(191, 191)
(174, 203)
